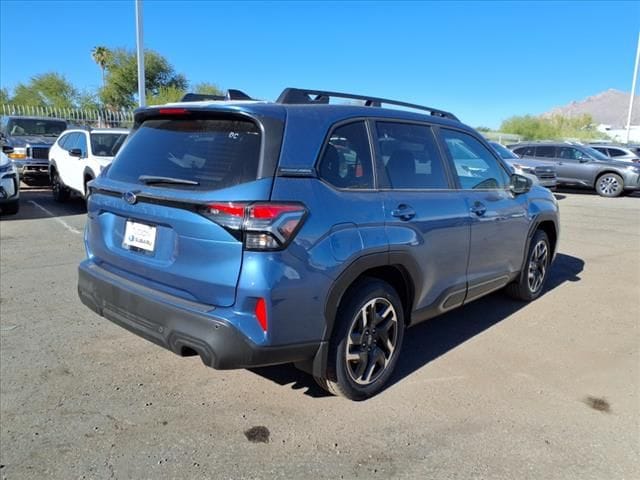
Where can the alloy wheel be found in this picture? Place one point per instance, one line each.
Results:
(609, 185)
(372, 341)
(538, 266)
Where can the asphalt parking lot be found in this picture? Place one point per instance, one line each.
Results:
(497, 389)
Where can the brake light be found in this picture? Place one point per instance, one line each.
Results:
(261, 313)
(173, 111)
(262, 226)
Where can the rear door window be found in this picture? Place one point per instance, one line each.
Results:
(212, 153)
(545, 151)
(410, 156)
(346, 160)
(614, 152)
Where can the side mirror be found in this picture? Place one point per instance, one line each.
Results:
(75, 152)
(7, 149)
(519, 184)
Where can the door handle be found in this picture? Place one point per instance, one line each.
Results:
(404, 212)
(479, 208)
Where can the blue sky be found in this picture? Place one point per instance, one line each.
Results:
(484, 61)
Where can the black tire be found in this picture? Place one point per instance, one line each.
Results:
(86, 189)
(10, 208)
(526, 288)
(59, 191)
(609, 185)
(355, 332)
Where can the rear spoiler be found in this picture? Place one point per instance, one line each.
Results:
(231, 94)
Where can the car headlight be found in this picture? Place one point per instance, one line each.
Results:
(6, 168)
(18, 154)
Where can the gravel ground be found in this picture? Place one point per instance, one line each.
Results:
(496, 389)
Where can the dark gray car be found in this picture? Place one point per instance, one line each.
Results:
(31, 138)
(582, 166)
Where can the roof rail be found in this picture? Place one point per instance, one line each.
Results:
(302, 96)
(231, 94)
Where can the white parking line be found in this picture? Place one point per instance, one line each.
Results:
(57, 219)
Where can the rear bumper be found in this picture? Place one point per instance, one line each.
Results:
(178, 325)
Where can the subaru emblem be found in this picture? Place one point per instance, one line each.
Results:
(130, 198)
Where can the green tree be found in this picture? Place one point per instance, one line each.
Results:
(101, 56)
(207, 88)
(165, 95)
(46, 90)
(4, 96)
(556, 127)
(121, 83)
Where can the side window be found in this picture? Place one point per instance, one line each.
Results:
(614, 152)
(475, 165)
(525, 151)
(346, 161)
(570, 153)
(545, 151)
(63, 139)
(71, 141)
(410, 156)
(82, 143)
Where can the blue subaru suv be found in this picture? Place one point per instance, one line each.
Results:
(256, 233)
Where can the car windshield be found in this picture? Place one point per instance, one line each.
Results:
(106, 144)
(596, 154)
(24, 127)
(503, 151)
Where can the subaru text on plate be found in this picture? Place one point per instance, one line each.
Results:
(258, 233)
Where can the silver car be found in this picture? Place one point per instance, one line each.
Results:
(619, 153)
(542, 173)
(579, 165)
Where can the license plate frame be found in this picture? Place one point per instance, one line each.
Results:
(139, 236)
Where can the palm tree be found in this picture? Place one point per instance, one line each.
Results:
(101, 56)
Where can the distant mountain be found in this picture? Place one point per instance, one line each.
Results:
(610, 107)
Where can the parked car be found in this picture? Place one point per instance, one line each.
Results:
(256, 233)
(618, 152)
(582, 166)
(30, 138)
(78, 156)
(9, 184)
(540, 172)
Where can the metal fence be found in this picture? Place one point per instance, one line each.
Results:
(75, 116)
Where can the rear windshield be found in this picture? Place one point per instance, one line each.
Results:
(107, 144)
(214, 153)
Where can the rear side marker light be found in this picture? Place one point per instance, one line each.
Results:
(261, 314)
(261, 225)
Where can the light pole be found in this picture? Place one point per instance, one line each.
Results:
(633, 89)
(140, 54)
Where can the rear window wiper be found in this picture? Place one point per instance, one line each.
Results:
(154, 180)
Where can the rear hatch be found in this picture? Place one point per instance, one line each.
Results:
(150, 213)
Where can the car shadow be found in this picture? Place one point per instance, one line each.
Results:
(37, 202)
(434, 338)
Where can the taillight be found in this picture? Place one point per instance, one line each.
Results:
(262, 225)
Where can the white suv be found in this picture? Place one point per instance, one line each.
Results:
(79, 155)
